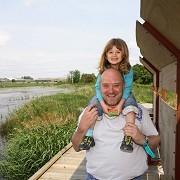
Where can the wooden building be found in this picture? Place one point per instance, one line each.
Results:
(159, 41)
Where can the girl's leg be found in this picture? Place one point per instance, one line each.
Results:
(130, 109)
(88, 140)
(127, 143)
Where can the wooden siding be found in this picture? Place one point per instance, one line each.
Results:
(168, 77)
(167, 124)
(164, 15)
(153, 51)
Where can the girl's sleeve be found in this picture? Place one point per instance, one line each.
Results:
(97, 86)
(128, 79)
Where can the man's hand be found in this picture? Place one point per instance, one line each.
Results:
(132, 130)
(88, 118)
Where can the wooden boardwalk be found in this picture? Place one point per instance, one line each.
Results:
(70, 165)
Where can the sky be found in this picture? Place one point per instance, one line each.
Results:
(50, 38)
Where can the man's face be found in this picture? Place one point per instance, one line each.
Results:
(111, 87)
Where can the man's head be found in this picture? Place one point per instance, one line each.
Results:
(112, 86)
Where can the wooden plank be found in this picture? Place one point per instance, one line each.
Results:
(150, 176)
(58, 176)
(167, 128)
(49, 164)
(177, 162)
(164, 15)
(166, 177)
(147, 66)
(168, 77)
(71, 165)
(152, 49)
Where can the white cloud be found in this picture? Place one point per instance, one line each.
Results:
(4, 38)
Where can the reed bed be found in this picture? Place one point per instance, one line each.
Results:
(39, 130)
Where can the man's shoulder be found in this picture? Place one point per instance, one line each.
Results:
(146, 107)
(144, 111)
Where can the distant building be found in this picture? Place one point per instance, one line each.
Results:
(4, 80)
(64, 79)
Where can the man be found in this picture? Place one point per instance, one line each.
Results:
(105, 161)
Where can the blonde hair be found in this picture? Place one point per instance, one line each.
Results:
(124, 65)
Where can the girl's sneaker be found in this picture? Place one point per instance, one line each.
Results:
(127, 144)
(86, 143)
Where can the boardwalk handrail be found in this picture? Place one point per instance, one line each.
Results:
(43, 169)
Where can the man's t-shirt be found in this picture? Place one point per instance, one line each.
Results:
(105, 161)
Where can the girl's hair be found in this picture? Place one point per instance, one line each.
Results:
(124, 65)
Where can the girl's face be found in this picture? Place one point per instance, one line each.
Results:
(114, 56)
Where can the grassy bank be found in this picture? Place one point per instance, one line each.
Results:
(39, 130)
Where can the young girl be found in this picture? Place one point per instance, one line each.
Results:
(115, 55)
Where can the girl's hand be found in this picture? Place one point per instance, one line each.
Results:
(119, 108)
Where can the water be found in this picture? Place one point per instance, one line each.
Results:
(12, 98)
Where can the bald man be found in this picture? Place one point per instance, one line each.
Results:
(105, 161)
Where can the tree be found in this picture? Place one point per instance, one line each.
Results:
(27, 77)
(74, 76)
(88, 78)
(142, 75)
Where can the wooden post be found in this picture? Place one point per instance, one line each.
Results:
(164, 94)
(177, 155)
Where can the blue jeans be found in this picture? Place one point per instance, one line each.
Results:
(130, 101)
(95, 101)
(90, 177)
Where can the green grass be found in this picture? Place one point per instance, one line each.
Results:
(39, 130)
(143, 93)
(23, 84)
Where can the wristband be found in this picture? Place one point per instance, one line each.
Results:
(148, 149)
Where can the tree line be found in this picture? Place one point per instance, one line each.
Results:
(141, 76)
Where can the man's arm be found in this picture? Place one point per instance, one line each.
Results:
(87, 120)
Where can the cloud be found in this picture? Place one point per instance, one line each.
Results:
(4, 38)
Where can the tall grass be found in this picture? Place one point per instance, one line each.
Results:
(143, 93)
(39, 130)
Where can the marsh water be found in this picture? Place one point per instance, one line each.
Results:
(12, 99)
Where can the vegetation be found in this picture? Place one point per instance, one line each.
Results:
(24, 84)
(142, 75)
(143, 93)
(39, 130)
